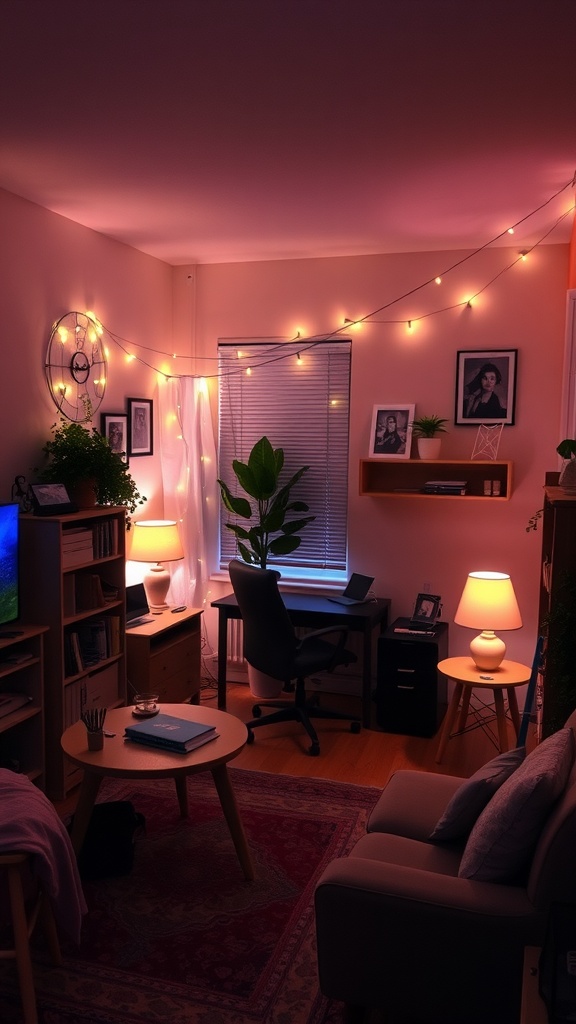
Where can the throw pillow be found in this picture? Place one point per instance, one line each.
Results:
(502, 840)
(471, 797)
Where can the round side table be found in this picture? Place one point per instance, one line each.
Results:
(468, 676)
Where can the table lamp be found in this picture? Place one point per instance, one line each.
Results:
(156, 540)
(488, 602)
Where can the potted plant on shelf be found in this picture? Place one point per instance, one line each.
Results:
(82, 459)
(425, 429)
(567, 450)
(274, 532)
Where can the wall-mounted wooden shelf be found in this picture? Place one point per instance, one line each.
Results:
(405, 478)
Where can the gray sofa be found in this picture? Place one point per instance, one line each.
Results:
(428, 916)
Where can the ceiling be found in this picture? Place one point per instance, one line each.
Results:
(203, 131)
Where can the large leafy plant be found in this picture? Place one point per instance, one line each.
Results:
(274, 532)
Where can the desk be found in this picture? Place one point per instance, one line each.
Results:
(163, 656)
(121, 759)
(467, 677)
(315, 612)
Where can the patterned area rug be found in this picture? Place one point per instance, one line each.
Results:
(184, 938)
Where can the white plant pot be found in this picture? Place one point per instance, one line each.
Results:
(429, 447)
(262, 685)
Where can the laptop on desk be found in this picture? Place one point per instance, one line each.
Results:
(137, 610)
(356, 591)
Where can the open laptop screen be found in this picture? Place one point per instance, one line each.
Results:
(136, 603)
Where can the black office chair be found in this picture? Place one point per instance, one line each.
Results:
(271, 646)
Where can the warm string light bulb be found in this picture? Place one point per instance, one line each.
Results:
(298, 359)
(438, 280)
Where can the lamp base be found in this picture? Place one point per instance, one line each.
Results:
(156, 584)
(487, 650)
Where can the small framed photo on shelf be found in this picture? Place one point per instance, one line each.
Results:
(391, 432)
(114, 426)
(486, 386)
(50, 500)
(140, 432)
(426, 609)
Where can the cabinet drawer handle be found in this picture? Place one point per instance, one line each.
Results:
(409, 671)
(405, 687)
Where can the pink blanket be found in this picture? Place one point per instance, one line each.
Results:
(29, 823)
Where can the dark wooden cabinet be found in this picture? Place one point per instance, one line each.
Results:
(410, 693)
(557, 607)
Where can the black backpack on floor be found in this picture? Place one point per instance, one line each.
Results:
(108, 847)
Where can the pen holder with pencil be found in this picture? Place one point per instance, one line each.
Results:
(93, 719)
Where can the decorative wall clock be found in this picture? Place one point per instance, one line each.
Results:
(76, 367)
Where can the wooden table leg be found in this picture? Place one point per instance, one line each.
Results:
(465, 708)
(181, 782)
(449, 721)
(501, 720)
(86, 800)
(513, 705)
(230, 808)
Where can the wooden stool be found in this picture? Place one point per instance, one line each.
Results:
(467, 676)
(15, 868)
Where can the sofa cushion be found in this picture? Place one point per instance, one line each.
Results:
(472, 796)
(503, 839)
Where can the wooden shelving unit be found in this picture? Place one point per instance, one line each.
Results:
(557, 606)
(22, 730)
(405, 478)
(73, 580)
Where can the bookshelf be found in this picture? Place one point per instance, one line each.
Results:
(73, 580)
(405, 478)
(22, 703)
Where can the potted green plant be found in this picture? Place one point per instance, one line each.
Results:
(273, 532)
(81, 458)
(567, 451)
(425, 429)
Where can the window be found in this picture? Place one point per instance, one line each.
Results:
(298, 396)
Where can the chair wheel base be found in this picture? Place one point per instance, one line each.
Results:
(314, 750)
(250, 737)
(257, 711)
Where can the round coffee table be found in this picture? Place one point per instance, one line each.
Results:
(121, 758)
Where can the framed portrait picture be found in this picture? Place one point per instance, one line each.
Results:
(391, 432)
(486, 386)
(114, 426)
(426, 609)
(140, 427)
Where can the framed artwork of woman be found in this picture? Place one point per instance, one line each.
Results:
(391, 432)
(486, 386)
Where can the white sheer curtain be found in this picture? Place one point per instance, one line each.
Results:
(189, 474)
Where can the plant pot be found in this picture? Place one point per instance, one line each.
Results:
(567, 480)
(83, 493)
(262, 685)
(429, 447)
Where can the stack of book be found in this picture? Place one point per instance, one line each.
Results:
(445, 487)
(170, 733)
(77, 546)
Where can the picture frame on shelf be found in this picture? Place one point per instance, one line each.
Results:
(50, 500)
(140, 427)
(114, 426)
(486, 386)
(391, 431)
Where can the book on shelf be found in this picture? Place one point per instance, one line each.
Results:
(445, 487)
(89, 592)
(171, 733)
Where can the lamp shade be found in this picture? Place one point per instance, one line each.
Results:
(156, 540)
(488, 603)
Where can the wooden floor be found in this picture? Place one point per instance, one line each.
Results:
(367, 758)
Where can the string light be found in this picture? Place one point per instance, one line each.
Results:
(299, 359)
(348, 323)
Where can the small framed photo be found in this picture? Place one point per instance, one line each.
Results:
(391, 433)
(50, 499)
(140, 434)
(426, 609)
(114, 426)
(486, 386)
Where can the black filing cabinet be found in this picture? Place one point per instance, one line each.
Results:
(410, 692)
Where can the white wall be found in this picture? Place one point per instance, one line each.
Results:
(404, 542)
